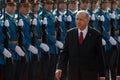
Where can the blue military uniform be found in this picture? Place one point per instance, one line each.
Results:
(51, 41)
(71, 13)
(62, 23)
(106, 26)
(23, 68)
(10, 69)
(37, 66)
(2, 57)
(115, 34)
(13, 35)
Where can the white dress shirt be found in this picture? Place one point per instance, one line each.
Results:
(83, 31)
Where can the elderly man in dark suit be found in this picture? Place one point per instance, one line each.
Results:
(82, 52)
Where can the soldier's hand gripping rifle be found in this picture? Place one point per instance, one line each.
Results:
(44, 31)
(6, 34)
(20, 33)
(33, 32)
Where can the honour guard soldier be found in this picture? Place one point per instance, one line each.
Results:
(59, 14)
(91, 10)
(71, 12)
(48, 21)
(30, 50)
(37, 73)
(60, 20)
(104, 17)
(114, 14)
(10, 8)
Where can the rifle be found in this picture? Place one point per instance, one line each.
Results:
(119, 22)
(79, 4)
(53, 2)
(100, 23)
(91, 21)
(6, 34)
(114, 48)
(33, 30)
(44, 32)
(20, 34)
(1, 8)
(57, 24)
(101, 29)
(67, 22)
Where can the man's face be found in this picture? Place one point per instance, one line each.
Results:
(114, 6)
(94, 5)
(84, 5)
(72, 6)
(105, 5)
(36, 8)
(82, 21)
(24, 9)
(10, 8)
(48, 7)
(62, 6)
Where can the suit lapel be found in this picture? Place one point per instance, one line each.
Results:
(75, 38)
(88, 36)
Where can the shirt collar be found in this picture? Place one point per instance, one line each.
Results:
(84, 31)
(73, 12)
(9, 14)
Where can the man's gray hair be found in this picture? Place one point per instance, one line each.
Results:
(83, 12)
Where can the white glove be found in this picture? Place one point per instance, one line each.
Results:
(93, 17)
(101, 18)
(118, 17)
(103, 42)
(34, 22)
(33, 49)
(59, 44)
(45, 21)
(60, 18)
(19, 51)
(6, 53)
(44, 47)
(119, 39)
(112, 41)
(20, 23)
(69, 18)
(7, 23)
(112, 15)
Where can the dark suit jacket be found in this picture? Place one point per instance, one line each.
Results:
(87, 56)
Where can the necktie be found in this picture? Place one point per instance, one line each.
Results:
(81, 38)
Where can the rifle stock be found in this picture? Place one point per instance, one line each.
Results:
(20, 35)
(33, 30)
(44, 33)
(67, 22)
